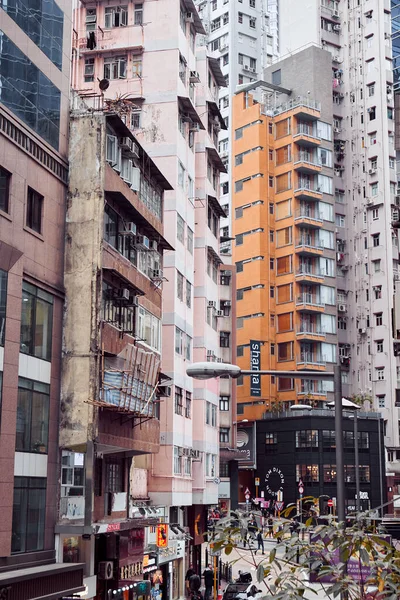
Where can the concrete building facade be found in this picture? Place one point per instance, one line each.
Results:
(34, 97)
(358, 37)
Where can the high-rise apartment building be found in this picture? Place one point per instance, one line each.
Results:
(145, 56)
(34, 101)
(239, 37)
(284, 229)
(358, 36)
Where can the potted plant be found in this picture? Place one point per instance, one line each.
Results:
(40, 447)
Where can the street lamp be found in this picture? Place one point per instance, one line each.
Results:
(354, 408)
(209, 370)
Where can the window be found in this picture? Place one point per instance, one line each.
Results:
(29, 514)
(340, 220)
(178, 400)
(180, 228)
(375, 214)
(32, 416)
(188, 466)
(374, 189)
(34, 210)
(379, 345)
(377, 265)
(224, 403)
(138, 14)
(381, 401)
(271, 439)
(211, 461)
(137, 68)
(136, 116)
(252, 22)
(188, 406)
(115, 67)
(375, 240)
(89, 70)
(188, 347)
(3, 305)
(240, 17)
(181, 174)
(177, 461)
(224, 435)
(285, 351)
(224, 339)
(378, 292)
(115, 16)
(179, 285)
(307, 473)
(307, 438)
(188, 294)
(149, 328)
(277, 77)
(329, 473)
(36, 322)
(378, 319)
(5, 180)
(380, 373)
(211, 414)
(189, 241)
(115, 475)
(224, 469)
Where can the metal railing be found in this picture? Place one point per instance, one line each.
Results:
(310, 359)
(305, 129)
(306, 157)
(319, 412)
(305, 186)
(309, 299)
(310, 330)
(312, 244)
(304, 272)
(313, 215)
(291, 104)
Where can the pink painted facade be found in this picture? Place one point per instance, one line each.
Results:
(151, 62)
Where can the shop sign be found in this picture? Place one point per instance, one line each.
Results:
(246, 444)
(255, 365)
(274, 481)
(162, 535)
(149, 564)
(112, 527)
(129, 572)
(174, 551)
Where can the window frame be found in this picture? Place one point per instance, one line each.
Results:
(34, 210)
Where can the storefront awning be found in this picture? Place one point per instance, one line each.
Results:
(50, 581)
(112, 526)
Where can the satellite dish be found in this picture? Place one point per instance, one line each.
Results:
(104, 84)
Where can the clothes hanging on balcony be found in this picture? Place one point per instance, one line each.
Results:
(91, 40)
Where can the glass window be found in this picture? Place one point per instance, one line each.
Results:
(224, 435)
(329, 473)
(29, 512)
(177, 461)
(89, 70)
(28, 93)
(115, 475)
(3, 305)
(189, 240)
(178, 400)
(149, 328)
(188, 407)
(307, 473)
(307, 438)
(36, 322)
(224, 403)
(5, 180)
(42, 21)
(116, 16)
(138, 14)
(180, 228)
(179, 284)
(115, 67)
(34, 210)
(32, 416)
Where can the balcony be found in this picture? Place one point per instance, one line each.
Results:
(309, 247)
(309, 303)
(307, 191)
(305, 275)
(305, 162)
(310, 332)
(306, 135)
(308, 360)
(308, 218)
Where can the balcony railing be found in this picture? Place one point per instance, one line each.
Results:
(313, 215)
(310, 359)
(304, 272)
(304, 129)
(306, 157)
(310, 329)
(310, 300)
(309, 243)
(307, 186)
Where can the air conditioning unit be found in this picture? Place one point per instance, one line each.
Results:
(362, 330)
(252, 69)
(135, 149)
(336, 130)
(372, 171)
(153, 245)
(157, 274)
(335, 14)
(226, 273)
(105, 569)
(336, 27)
(370, 201)
(219, 313)
(164, 390)
(126, 143)
(336, 57)
(212, 304)
(194, 77)
(125, 293)
(130, 229)
(142, 240)
(342, 308)
(189, 17)
(194, 127)
(246, 67)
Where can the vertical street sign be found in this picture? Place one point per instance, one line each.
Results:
(255, 365)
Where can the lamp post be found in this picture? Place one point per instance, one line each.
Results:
(210, 370)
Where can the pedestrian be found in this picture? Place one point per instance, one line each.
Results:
(279, 533)
(188, 575)
(208, 575)
(260, 542)
(270, 527)
(243, 535)
(194, 586)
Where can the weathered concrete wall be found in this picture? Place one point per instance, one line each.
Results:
(83, 256)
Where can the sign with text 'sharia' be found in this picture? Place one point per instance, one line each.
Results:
(255, 365)
(162, 535)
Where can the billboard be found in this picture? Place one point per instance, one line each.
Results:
(255, 365)
(246, 444)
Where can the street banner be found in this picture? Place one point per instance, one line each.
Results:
(255, 365)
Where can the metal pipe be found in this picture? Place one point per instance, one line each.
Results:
(357, 462)
(340, 494)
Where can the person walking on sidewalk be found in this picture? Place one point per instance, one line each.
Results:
(260, 542)
(208, 575)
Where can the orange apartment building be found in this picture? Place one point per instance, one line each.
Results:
(285, 248)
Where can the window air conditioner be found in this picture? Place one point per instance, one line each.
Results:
(135, 149)
(135, 185)
(372, 171)
(227, 303)
(157, 274)
(189, 17)
(125, 293)
(105, 569)
(336, 27)
(131, 228)
(342, 308)
(219, 313)
(194, 127)
(153, 245)
(335, 14)
(142, 240)
(212, 304)
(246, 67)
(126, 143)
